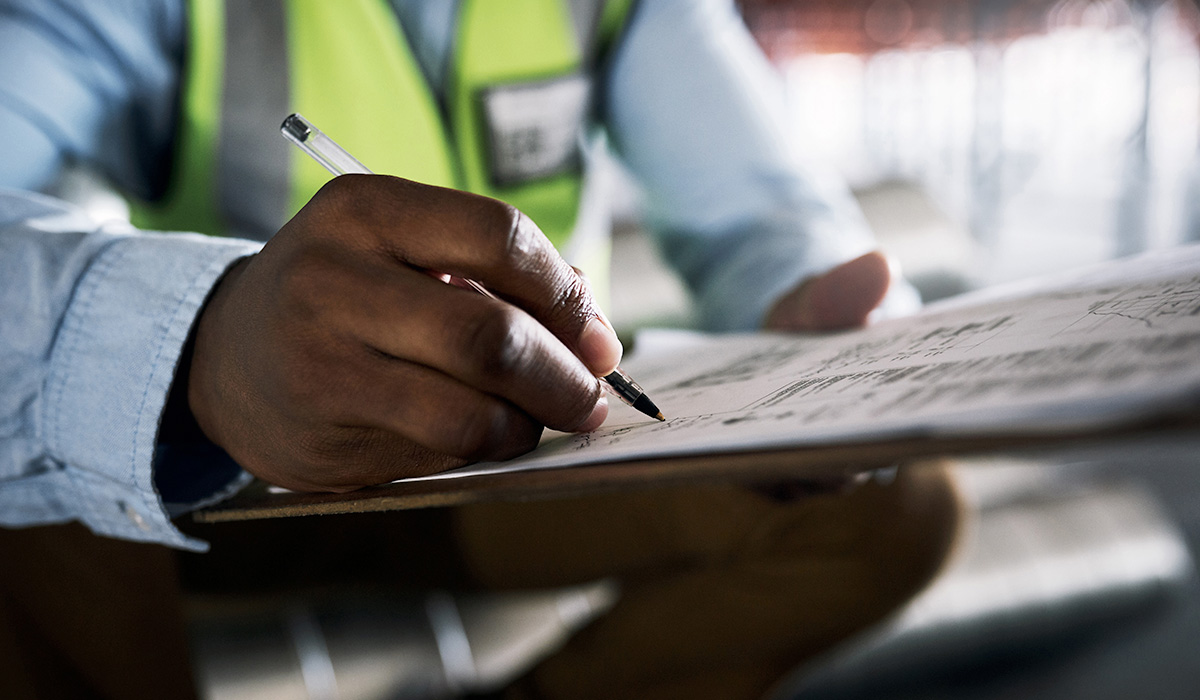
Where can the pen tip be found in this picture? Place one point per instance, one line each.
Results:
(647, 407)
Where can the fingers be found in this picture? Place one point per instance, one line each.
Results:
(437, 412)
(395, 419)
(498, 348)
(407, 421)
(476, 238)
(484, 343)
(339, 356)
(429, 408)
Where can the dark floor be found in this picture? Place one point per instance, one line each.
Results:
(1154, 652)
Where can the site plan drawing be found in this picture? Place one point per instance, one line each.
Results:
(1107, 345)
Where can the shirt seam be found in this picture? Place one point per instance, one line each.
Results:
(164, 337)
(150, 375)
(72, 328)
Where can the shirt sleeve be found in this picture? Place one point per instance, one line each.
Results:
(89, 82)
(92, 322)
(93, 318)
(696, 113)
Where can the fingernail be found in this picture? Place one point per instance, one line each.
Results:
(599, 348)
(596, 419)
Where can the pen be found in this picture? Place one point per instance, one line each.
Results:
(336, 160)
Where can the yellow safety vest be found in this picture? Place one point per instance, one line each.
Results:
(508, 123)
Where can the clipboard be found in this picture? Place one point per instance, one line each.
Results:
(815, 465)
(1101, 354)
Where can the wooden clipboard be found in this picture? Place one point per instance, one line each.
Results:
(805, 464)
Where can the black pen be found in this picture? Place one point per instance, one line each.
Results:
(336, 160)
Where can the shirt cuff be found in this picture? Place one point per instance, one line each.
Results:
(111, 369)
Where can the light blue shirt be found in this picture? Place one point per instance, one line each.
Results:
(92, 320)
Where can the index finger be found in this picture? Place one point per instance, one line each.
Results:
(477, 238)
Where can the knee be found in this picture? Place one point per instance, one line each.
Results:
(905, 531)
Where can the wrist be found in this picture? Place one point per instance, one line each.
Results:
(199, 369)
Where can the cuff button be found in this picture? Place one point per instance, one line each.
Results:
(134, 516)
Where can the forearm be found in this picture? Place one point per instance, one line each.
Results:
(729, 202)
(736, 273)
(92, 323)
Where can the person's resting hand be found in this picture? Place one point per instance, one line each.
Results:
(841, 298)
(333, 359)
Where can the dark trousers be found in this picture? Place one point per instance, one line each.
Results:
(724, 589)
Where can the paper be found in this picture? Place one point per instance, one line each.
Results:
(1111, 344)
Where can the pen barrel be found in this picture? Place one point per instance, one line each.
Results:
(623, 386)
(320, 147)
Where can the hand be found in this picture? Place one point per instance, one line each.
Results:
(840, 298)
(334, 359)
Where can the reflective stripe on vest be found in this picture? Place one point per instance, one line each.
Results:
(357, 79)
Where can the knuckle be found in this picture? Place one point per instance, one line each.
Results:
(573, 302)
(477, 430)
(514, 240)
(581, 401)
(493, 430)
(343, 193)
(332, 191)
(347, 208)
(495, 342)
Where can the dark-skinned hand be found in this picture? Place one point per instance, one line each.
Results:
(334, 359)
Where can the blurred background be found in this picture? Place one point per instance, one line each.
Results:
(1051, 132)
(989, 141)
